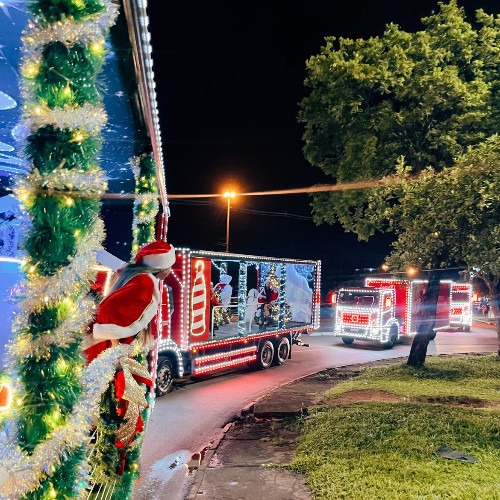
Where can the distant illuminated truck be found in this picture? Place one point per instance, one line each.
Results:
(461, 306)
(386, 309)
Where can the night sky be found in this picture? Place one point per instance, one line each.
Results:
(229, 79)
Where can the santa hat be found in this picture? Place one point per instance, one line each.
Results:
(158, 255)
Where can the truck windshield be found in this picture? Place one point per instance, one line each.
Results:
(459, 296)
(361, 299)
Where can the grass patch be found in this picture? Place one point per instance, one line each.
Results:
(468, 377)
(387, 451)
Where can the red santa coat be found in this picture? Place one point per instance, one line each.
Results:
(266, 296)
(124, 313)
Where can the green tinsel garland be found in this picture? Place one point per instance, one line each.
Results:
(60, 79)
(146, 202)
(52, 11)
(106, 457)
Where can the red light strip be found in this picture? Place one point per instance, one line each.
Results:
(248, 338)
(222, 366)
(224, 355)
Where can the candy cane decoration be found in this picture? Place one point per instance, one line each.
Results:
(199, 301)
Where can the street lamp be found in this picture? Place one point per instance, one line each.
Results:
(411, 271)
(228, 195)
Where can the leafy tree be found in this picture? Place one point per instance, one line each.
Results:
(425, 97)
(447, 218)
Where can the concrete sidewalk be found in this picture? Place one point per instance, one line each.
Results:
(244, 463)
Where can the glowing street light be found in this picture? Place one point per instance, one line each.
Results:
(228, 195)
(411, 271)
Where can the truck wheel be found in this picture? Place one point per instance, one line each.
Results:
(282, 351)
(347, 340)
(164, 376)
(393, 337)
(266, 355)
(467, 328)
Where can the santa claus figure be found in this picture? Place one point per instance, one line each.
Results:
(268, 293)
(133, 300)
(127, 316)
(268, 309)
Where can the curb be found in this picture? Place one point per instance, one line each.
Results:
(200, 471)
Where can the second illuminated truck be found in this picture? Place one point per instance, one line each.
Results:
(387, 309)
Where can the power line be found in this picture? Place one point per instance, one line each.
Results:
(313, 189)
(245, 210)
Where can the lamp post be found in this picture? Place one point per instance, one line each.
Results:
(228, 195)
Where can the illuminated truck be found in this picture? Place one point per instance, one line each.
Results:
(461, 306)
(386, 309)
(202, 335)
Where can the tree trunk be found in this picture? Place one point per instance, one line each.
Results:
(496, 312)
(494, 289)
(425, 332)
(492, 282)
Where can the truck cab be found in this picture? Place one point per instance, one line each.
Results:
(367, 314)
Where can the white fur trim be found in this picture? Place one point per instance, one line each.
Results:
(160, 260)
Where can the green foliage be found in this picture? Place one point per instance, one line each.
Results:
(144, 233)
(145, 210)
(65, 481)
(146, 182)
(43, 320)
(388, 451)
(425, 96)
(49, 148)
(63, 77)
(106, 458)
(56, 228)
(52, 386)
(52, 11)
(446, 218)
(58, 78)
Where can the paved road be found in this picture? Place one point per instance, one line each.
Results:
(186, 420)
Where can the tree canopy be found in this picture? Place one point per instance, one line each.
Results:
(446, 217)
(425, 96)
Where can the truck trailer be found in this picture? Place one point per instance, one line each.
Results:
(202, 334)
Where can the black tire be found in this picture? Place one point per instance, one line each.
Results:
(347, 340)
(393, 337)
(281, 351)
(265, 356)
(467, 328)
(164, 376)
